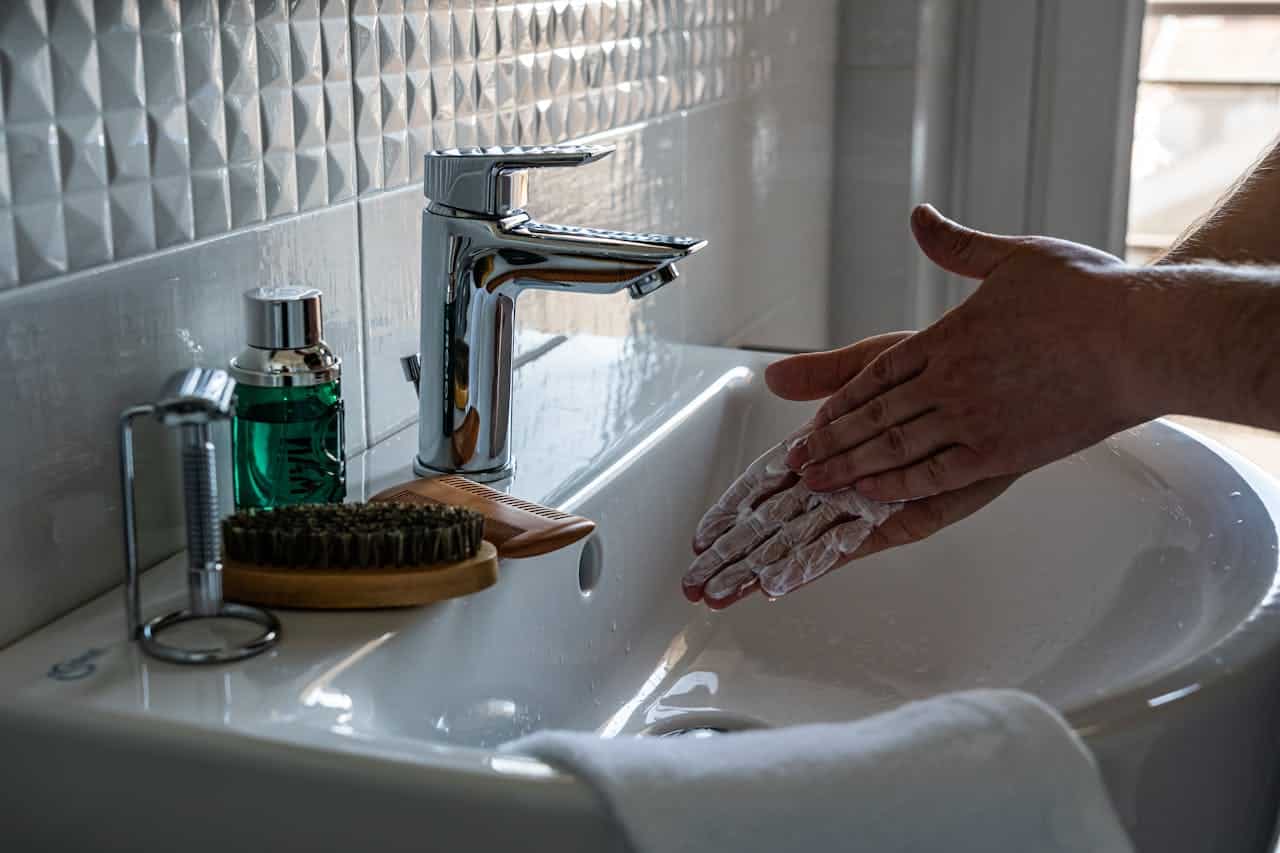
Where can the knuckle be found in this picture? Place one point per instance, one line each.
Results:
(986, 445)
(882, 367)
(890, 483)
(819, 443)
(836, 406)
(877, 412)
(936, 471)
(961, 242)
(841, 469)
(896, 439)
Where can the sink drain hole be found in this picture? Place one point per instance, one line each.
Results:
(590, 565)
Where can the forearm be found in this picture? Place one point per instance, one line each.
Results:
(1244, 225)
(1206, 342)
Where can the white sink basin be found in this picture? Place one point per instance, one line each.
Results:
(1131, 586)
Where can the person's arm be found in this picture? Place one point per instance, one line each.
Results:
(1060, 347)
(1243, 226)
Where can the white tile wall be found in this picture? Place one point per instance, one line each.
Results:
(157, 157)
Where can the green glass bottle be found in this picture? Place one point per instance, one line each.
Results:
(287, 434)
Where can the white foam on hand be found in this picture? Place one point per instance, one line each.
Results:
(769, 529)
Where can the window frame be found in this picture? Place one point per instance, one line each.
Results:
(1042, 133)
(1157, 244)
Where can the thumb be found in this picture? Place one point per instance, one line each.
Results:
(820, 374)
(957, 249)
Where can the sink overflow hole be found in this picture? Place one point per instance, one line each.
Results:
(590, 565)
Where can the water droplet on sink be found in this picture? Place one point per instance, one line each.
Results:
(627, 648)
(613, 626)
(1234, 495)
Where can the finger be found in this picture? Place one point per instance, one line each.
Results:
(764, 476)
(801, 530)
(807, 564)
(891, 451)
(819, 374)
(749, 531)
(957, 249)
(733, 584)
(920, 519)
(825, 513)
(894, 366)
(945, 471)
(895, 406)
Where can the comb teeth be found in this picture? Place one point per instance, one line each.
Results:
(493, 494)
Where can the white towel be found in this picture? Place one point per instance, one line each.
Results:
(992, 770)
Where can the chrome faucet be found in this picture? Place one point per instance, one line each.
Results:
(480, 250)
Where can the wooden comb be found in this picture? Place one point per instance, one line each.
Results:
(517, 527)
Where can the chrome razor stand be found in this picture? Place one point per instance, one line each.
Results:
(191, 401)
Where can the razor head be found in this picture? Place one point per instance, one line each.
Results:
(197, 395)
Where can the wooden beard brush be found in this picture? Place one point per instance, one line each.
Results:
(355, 556)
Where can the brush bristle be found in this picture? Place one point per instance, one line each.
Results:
(354, 536)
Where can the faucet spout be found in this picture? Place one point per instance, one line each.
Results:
(480, 251)
(538, 255)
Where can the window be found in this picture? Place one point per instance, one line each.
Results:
(1208, 106)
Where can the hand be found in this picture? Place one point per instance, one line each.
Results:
(763, 532)
(1029, 369)
(777, 548)
(769, 531)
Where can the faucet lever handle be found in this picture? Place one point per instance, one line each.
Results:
(494, 181)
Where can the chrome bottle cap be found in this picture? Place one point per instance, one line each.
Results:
(283, 317)
(284, 330)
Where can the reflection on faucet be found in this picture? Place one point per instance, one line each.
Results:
(480, 250)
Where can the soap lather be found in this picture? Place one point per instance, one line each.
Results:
(287, 436)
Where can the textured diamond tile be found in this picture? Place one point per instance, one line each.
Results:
(245, 190)
(340, 141)
(74, 58)
(174, 119)
(211, 201)
(133, 230)
(311, 171)
(82, 153)
(33, 161)
(280, 184)
(40, 239)
(174, 218)
(86, 218)
(24, 39)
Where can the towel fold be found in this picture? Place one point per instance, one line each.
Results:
(990, 770)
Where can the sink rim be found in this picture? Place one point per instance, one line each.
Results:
(1249, 646)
